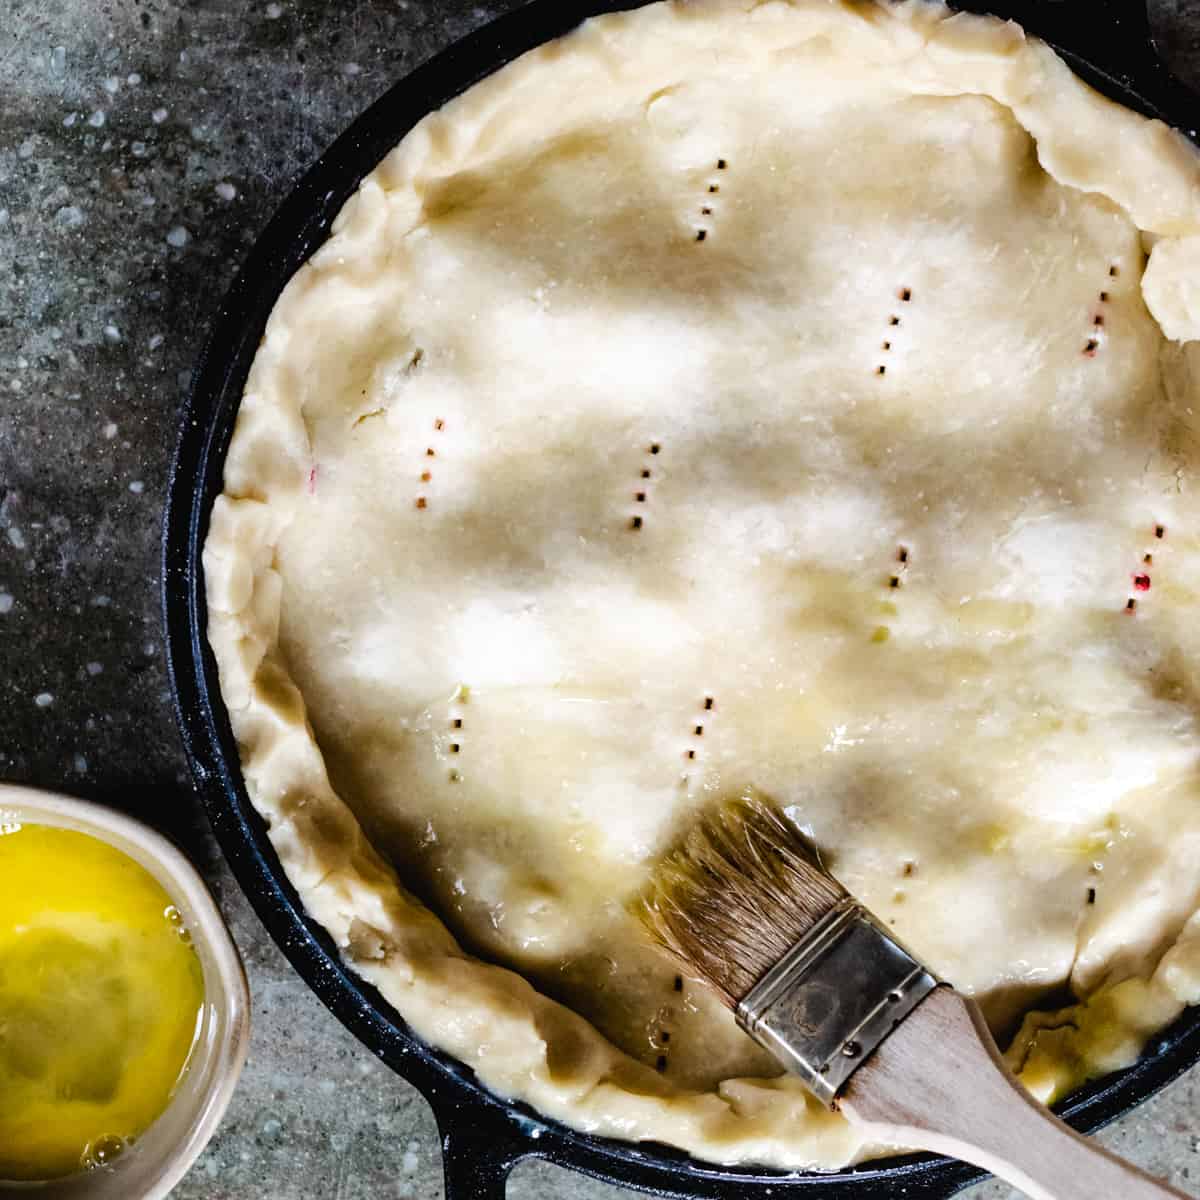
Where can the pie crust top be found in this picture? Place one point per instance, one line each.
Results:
(794, 395)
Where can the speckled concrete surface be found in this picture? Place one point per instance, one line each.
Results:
(143, 145)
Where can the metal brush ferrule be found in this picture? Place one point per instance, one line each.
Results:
(836, 994)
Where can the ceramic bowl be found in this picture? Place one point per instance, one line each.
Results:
(153, 1164)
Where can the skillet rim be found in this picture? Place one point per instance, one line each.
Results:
(484, 1135)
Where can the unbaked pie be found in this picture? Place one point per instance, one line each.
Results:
(789, 395)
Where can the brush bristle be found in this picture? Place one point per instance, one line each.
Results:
(744, 887)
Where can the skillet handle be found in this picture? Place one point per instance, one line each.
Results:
(476, 1160)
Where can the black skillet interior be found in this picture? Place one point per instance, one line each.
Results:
(1105, 41)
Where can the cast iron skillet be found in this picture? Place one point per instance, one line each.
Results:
(1108, 43)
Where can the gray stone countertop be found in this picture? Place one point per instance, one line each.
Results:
(143, 146)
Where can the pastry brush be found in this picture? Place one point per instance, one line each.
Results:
(811, 975)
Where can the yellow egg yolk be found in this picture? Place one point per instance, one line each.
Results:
(100, 996)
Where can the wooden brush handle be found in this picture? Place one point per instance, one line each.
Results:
(938, 1083)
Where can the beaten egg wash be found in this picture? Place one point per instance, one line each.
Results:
(100, 997)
